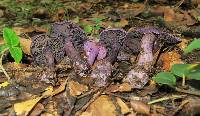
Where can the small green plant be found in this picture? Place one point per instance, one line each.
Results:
(93, 28)
(12, 44)
(184, 71)
(195, 44)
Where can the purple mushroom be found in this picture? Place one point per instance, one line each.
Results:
(112, 40)
(94, 51)
(65, 38)
(74, 39)
(138, 76)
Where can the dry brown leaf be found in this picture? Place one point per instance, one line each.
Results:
(124, 108)
(23, 108)
(157, 10)
(26, 44)
(140, 107)
(124, 87)
(76, 88)
(40, 29)
(151, 88)
(37, 110)
(188, 19)
(184, 43)
(138, 9)
(112, 88)
(169, 59)
(132, 114)
(102, 106)
(169, 14)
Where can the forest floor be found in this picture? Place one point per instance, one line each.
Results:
(22, 92)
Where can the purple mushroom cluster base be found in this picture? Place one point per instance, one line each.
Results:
(95, 59)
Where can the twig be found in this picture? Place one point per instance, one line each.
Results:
(197, 93)
(179, 4)
(181, 106)
(86, 94)
(166, 98)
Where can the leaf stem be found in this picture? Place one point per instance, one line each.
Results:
(183, 80)
(166, 98)
(1, 65)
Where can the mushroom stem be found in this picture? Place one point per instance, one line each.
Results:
(79, 64)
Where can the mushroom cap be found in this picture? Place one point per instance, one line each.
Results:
(112, 40)
(43, 43)
(70, 31)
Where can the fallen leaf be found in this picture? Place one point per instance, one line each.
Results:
(124, 108)
(140, 107)
(102, 106)
(60, 88)
(169, 14)
(188, 19)
(23, 108)
(148, 90)
(40, 29)
(76, 88)
(184, 43)
(4, 84)
(25, 43)
(124, 87)
(169, 59)
(112, 88)
(37, 110)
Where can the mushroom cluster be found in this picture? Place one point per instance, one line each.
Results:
(95, 59)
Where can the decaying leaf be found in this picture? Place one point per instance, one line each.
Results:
(25, 43)
(169, 14)
(124, 87)
(37, 110)
(123, 106)
(102, 106)
(23, 108)
(76, 88)
(169, 59)
(140, 107)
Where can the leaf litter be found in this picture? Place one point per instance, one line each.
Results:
(114, 99)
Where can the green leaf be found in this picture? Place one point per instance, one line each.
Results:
(165, 78)
(10, 37)
(98, 20)
(97, 27)
(194, 73)
(195, 44)
(16, 53)
(88, 28)
(182, 69)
